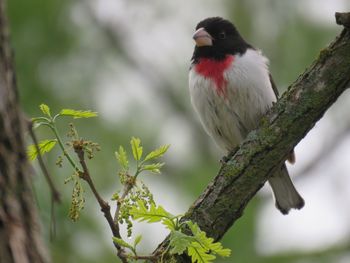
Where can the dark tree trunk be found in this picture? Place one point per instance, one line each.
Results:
(20, 239)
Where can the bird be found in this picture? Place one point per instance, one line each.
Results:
(231, 88)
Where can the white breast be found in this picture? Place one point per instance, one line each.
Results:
(249, 94)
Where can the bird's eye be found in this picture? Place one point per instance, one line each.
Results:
(222, 35)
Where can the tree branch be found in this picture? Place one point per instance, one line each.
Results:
(265, 148)
(55, 194)
(105, 208)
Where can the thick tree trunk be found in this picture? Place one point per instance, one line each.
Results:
(20, 239)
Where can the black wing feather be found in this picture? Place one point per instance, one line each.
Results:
(274, 87)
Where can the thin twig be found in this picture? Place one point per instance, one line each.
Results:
(60, 143)
(105, 208)
(54, 192)
(55, 195)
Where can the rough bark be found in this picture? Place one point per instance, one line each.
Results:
(264, 149)
(20, 239)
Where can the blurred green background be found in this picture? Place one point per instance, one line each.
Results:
(129, 60)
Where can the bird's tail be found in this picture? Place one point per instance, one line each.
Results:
(286, 196)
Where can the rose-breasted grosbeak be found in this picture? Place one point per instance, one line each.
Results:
(231, 88)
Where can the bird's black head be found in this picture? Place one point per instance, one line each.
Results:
(215, 38)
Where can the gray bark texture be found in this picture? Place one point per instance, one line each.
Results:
(265, 148)
(20, 238)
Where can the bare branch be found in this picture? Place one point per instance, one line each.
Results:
(105, 208)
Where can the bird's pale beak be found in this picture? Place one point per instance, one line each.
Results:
(202, 38)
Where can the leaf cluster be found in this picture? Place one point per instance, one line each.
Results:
(197, 245)
(45, 146)
(134, 190)
(135, 201)
(142, 208)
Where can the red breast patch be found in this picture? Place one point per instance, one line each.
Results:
(214, 70)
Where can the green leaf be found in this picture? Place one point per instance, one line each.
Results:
(122, 243)
(137, 240)
(115, 197)
(179, 242)
(222, 252)
(196, 231)
(44, 147)
(198, 254)
(169, 224)
(122, 158)
(153, 214)
(154, 167)
(157, 152)
(208, 242)
(76, 114)
(45, 109)
(136, 148)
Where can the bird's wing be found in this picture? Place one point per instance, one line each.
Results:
(273, 85)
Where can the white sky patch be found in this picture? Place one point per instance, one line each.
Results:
(317, 226)
(122, 91)
(317, 11)
(161, 35)
(309, 147)
(176, 132)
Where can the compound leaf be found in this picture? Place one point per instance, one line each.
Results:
(136, 148)
(157, 152)
(122, 158)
